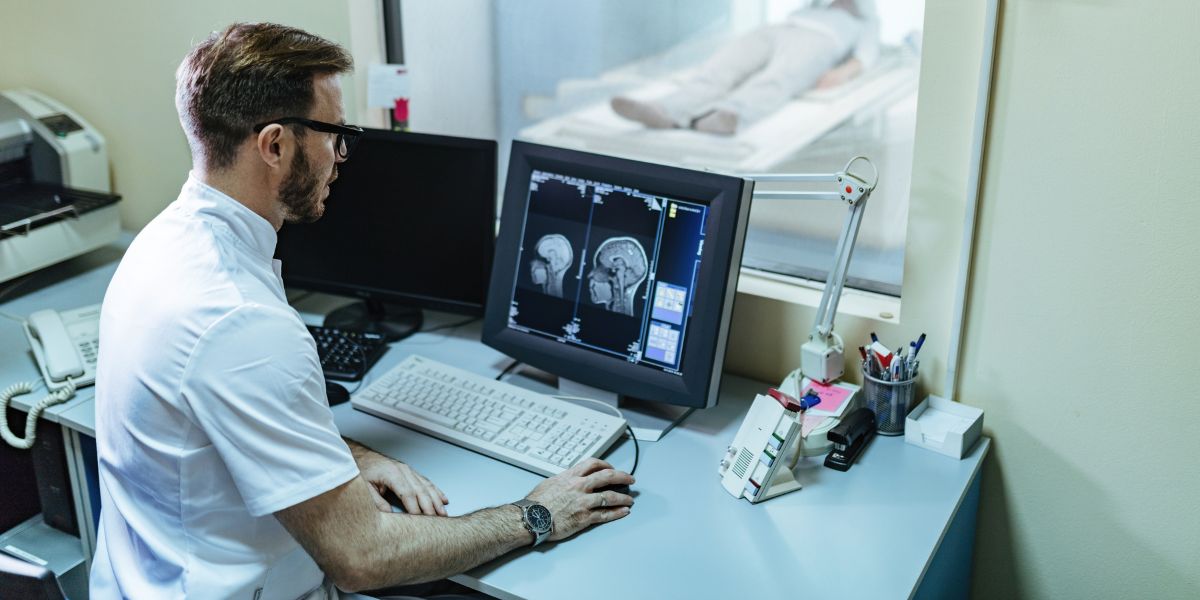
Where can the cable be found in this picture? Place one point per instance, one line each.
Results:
(636, 449)
(508, 369)
(17, 284)
(451, 325)
(12, 317)
(58, 396)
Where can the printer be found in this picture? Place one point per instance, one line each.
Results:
(55, 194)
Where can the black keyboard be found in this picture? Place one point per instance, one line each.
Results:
(347, 355)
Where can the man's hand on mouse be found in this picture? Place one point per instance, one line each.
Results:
(575, 499)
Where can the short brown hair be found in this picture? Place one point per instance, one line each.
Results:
(245, 75)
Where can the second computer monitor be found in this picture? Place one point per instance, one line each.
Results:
(617, 274)
(409, 222)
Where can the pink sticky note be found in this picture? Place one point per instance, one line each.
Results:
(811, 422)
(832, 397)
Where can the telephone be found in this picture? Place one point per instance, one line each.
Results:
(65, 347)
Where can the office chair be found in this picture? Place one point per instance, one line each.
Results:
(20, 579)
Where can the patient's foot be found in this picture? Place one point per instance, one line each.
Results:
(649, 114)
(720, 122)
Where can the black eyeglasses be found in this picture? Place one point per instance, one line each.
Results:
(347, 135)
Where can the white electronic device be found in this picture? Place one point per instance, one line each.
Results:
(756, 466)
(64, 345)
(55, 191)
(822, 357)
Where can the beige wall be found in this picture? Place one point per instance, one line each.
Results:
(114, 63)
(1082, 317)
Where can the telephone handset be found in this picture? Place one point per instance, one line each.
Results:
(65, 347)
(65, 344)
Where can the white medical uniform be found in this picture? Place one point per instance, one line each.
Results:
(210, 414)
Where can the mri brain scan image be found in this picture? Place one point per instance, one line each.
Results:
(553, 257)
(618, 269)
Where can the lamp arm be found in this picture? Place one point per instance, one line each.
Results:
(822, 357)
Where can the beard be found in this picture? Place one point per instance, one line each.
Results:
(300, 193)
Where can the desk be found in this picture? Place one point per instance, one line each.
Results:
(73, 283)
(902, 519)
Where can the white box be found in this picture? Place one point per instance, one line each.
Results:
(943, 426)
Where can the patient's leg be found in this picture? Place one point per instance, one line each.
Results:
(798, 58)
(729, 66)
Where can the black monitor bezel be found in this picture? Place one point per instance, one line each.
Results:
(411, 299)
(703, 352)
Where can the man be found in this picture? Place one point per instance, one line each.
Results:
(222, 472)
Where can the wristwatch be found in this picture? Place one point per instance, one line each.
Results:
(537, 519)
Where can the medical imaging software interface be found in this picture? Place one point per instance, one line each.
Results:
(608, 268)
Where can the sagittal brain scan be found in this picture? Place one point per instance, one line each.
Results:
(608, 268)
(553, 256)
(618, 270)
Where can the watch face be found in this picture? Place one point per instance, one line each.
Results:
(539, 518)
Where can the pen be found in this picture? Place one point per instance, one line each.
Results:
(917, 347)
(863, 352)
(874, 338)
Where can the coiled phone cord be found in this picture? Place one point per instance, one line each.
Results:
(56, 397)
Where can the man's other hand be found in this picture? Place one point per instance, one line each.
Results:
(417, 494)
(574, 501)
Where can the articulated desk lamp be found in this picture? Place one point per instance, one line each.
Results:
(755, 466)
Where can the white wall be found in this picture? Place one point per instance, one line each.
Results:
(448, 47)
(1082, 322)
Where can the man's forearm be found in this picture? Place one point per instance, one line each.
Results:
(415, 548)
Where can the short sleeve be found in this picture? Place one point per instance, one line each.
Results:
(254, 386)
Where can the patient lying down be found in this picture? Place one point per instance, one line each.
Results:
(759, 72)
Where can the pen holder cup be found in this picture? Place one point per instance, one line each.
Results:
(890, 401)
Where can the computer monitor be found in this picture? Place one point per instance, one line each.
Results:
(619, 275)
(410, 223)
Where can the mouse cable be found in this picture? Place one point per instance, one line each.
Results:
(450, 325)
(636, 449)
(512, 365)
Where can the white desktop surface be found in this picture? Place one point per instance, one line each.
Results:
(866, 533)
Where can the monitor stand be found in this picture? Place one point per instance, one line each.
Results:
(393, 321)
(649, 420)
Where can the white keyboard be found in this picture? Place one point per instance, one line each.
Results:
(523, 428)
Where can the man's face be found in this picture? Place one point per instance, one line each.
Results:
(303, 191)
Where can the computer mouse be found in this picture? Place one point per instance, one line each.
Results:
(620, 489)
(336, 393)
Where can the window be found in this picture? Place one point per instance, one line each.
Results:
(557, 66)
(561, 64)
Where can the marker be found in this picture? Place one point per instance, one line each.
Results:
(863, 352)
(874, 338)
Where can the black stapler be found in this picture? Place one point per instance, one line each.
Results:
(849, 438)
